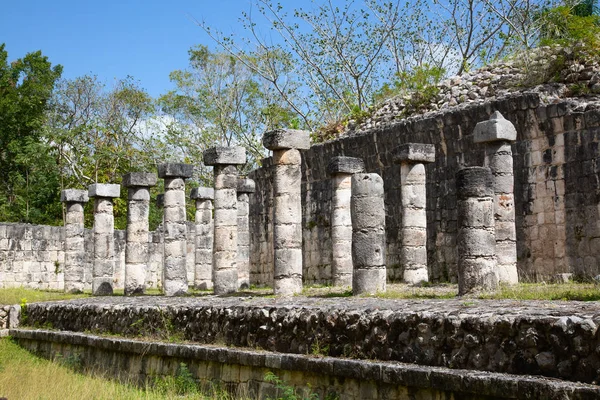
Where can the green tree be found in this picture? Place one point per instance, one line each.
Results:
(219, 100)
(28, 183)
(95, 133)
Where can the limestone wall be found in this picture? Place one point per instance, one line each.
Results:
(33, 256)
(243, 372)
(557, 189)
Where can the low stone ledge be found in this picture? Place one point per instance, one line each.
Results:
(499, 336)
(319, 371)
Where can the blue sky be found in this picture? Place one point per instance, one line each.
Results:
(113, 39)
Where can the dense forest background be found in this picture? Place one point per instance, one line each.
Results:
(319, 69)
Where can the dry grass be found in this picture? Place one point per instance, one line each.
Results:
(24, 376)
(522, 291)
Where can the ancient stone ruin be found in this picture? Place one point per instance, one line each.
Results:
(484, 194)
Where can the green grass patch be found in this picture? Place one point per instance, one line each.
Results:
(16, 295)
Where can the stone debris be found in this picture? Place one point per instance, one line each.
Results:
(579, 79)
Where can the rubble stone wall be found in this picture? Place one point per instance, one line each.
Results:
(557, 189)
(560, 340)
(243, 372)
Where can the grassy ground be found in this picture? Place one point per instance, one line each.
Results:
(24, 376)
(522, 291)
(16, 295)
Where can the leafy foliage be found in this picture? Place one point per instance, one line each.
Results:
(27, 183)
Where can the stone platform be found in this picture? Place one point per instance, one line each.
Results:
(548, 338)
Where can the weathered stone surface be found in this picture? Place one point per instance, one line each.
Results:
(476, 239)
(74, 272)
(499, 158)
(368, 234)
(283, 139)
(202, 193)
(415, 152)
(225, 268)
(341, 229)
(243, 226)
(203, 279)
(175, 170)
(104, 248)
(474, 182)
(175, 231)
(136, 246)
(287, 219)
(245, 185)
(345, 165)
(132, 179)
(108, 190)
(494, 129)
(222, 155)
(484, 336)
(414, 216)
(14, 315)
(242, 370)
(74, 196)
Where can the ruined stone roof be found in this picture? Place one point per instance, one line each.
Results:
(549, 71)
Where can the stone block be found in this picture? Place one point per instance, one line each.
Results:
(145, 179)
(245, 185)
(74, 196)
(281, 139)
(367, 185)
(175, 170)
(138, 194)
(494, 129)
(369, 281)
(415, 152)
(474, 182)
(345, 165)
(222, 155)
(202, 193)
(368, 249)
(110, 190)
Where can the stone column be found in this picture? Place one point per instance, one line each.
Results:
(104, 237)
(341, 170)
(225, 161)
(498, 134)
(74, 239)
(138, 186)
(244, 188)
(476, 238)
(160, 204)
(413, 231)
(287, 207)
(174, 228)
(204, 197)
(368, 234)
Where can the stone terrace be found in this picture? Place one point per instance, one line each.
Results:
(553, 339)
